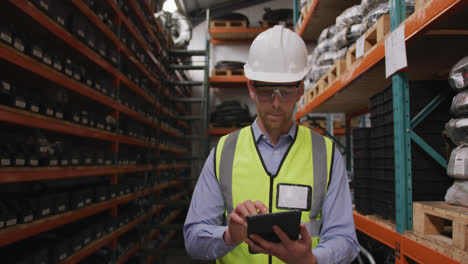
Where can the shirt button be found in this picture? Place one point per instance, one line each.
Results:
(264, 137)
(276, 152)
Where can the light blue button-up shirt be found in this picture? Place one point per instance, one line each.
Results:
(205, 224)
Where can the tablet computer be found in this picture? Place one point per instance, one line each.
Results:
(262, 225)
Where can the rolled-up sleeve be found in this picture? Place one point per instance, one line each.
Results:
(203, 227)
(338, 242)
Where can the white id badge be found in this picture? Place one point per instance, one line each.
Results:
(293, 197)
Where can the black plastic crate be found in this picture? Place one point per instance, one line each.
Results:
(88, 195)
(59, 248)
(361, 133)
(77, 199)
(376, 99)
(44, 206)
(44, 5)
(377, 121)
(378, 152)
(61, 202)
(59, 11)
(8, 215)
(361, 154)
(377, 163)
(6, 34)
(79, 26)
(26, 213)
(19, 43)
(101, 193)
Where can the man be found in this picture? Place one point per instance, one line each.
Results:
(272, 166)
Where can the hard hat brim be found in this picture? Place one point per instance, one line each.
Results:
(276, 77)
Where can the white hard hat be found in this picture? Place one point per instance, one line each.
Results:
(277, 55)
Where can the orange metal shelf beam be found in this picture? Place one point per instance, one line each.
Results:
(25, 118)
(58, 31)
(336, 131)
(221, 131)
(228, 82)
(8, 175)
(225, 35)
(97, 22)
(406, 246)
(132, 113)
(170, 131)
(236, 30)
(415, 25)
(376, 230)
(306, 20)
(123, 259)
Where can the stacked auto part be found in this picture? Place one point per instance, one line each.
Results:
(457, 131)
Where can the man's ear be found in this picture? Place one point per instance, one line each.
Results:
(300, 91)
(251, 89)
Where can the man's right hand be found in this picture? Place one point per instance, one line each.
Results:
(236, 232)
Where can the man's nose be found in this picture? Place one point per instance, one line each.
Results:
(276, 100)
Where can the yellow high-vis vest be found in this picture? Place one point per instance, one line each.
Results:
(242, 176)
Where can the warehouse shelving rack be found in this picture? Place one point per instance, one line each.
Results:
(28, 119)
(437, 29)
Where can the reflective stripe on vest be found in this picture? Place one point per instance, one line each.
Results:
(242, 166)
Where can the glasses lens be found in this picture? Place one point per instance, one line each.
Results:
(267, 94)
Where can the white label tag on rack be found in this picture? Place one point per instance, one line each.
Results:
(360, 46)
(58, 66)
(6, 86)
(11, 222)
(19, 46)
(395, 51)
(6, 37)
(37, 53)
(28, 218)
(46, 211)
(459, 165)
(47, 61)
(61, 21)
(44, 5)
(20, 104)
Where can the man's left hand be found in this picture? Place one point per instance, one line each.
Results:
(289, 251)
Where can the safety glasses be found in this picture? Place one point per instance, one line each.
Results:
(286, 93)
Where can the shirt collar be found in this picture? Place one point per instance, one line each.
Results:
(258, 133)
